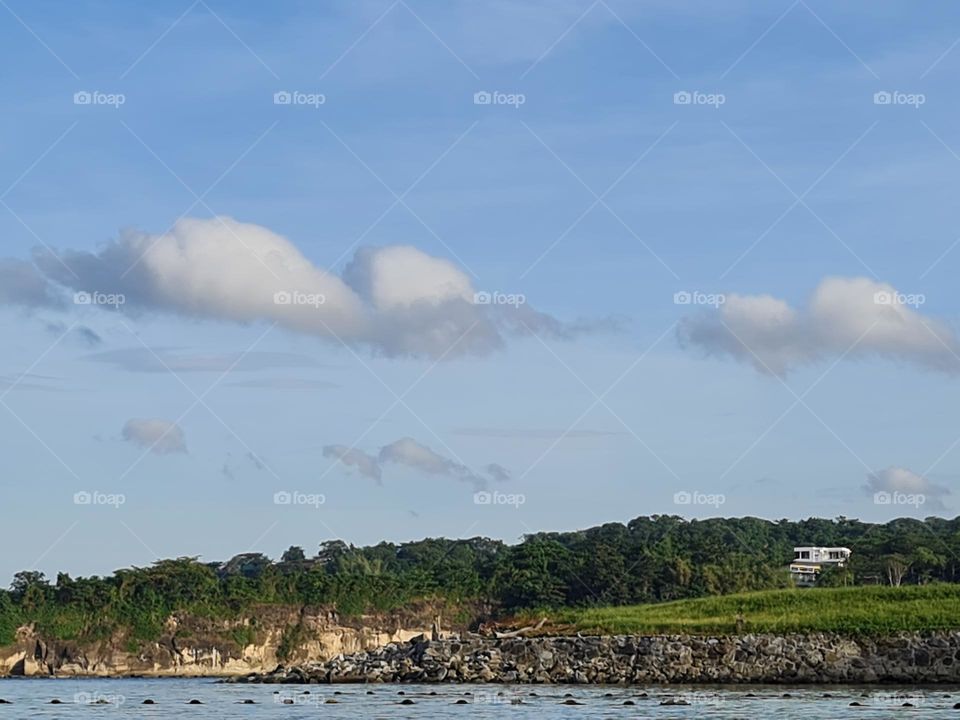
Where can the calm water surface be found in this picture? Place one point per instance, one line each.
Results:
(124, 698)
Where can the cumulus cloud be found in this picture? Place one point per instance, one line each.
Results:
(412, 454)
(897, 480)
(394, 300)
(366, 465)
(158, 436)
(849, 317)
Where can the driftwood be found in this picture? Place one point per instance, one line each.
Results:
(522, 631)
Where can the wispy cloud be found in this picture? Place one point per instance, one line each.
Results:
(409, 453)
(160, 360)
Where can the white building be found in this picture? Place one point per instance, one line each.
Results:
(809, 561)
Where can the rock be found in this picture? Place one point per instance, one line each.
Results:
(787, 659)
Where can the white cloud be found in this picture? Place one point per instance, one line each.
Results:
(394, 300)
(901, 480)
(848, 317)
(158, 436)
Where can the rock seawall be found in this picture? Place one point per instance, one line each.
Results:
(810, 658)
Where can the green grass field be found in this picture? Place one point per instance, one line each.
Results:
(860, 610)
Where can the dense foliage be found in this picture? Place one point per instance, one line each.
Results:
(650, 559)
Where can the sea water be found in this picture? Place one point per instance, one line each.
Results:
(123, 698)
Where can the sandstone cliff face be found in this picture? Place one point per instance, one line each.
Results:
(195, 647)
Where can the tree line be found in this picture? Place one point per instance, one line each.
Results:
(650, 559)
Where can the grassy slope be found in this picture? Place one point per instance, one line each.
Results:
(849, 610)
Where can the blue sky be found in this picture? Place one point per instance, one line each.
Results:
(786, 187)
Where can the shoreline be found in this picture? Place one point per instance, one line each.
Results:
(817, 658)
(931, 658)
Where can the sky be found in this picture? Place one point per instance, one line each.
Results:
(277, 274)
